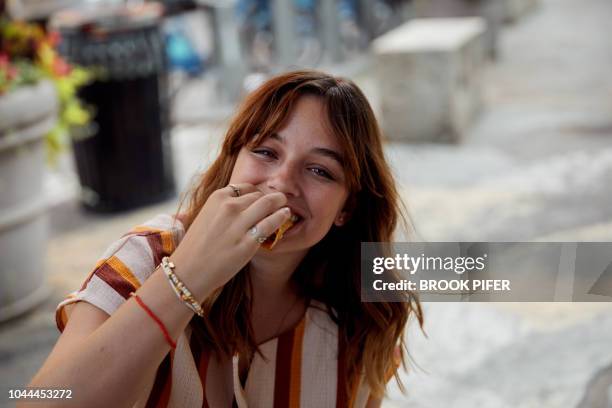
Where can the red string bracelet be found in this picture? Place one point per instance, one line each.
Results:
(154, 317)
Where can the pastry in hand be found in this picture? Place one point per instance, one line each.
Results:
(276, 236)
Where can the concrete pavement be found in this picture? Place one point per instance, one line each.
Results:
(536, 166)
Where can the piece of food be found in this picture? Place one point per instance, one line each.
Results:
(276, 236)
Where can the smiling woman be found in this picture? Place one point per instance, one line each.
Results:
(303, 160)
(257, 328)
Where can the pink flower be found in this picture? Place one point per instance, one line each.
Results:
(61, 67)
(54, 38)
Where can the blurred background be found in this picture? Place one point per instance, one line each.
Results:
(498, 118)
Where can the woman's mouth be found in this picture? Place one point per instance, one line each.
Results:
(270, 242)
(297, 222)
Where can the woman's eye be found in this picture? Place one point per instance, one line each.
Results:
(264, 153)
(322, 173)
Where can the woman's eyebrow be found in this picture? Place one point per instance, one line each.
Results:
(278, 137)
(322, 151)
(332, 154)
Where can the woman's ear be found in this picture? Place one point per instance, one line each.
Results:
(341, 219)
(344, 215)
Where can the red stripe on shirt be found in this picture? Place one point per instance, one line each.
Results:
(282, 375)
(160, 393)
(155, 242)
(201, 358)
(112, 277)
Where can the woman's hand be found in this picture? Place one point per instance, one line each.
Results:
(219, 242)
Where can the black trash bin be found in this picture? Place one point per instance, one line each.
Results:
(125, 160)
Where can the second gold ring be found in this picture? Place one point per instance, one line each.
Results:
(235, 189)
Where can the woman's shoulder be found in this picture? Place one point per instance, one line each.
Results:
(125, 265)
(161, 223)
(149, 241)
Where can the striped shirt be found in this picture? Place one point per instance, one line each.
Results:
(300, 368)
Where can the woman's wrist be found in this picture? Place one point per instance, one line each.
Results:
(196, 280)
(179, 288)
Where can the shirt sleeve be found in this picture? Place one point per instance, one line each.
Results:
(123, 268)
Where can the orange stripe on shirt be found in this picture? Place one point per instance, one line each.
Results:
(296, 365)
(167, 241)
(123, 271)
(61, 319)
(142, 228)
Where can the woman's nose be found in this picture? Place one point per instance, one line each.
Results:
(284, 178)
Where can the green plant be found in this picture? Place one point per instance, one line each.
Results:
(27, 55)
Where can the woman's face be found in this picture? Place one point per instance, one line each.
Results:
(304, 161)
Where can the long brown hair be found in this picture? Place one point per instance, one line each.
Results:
(330, 272)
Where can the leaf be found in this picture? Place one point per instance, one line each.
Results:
(75, 115)
(55, 143)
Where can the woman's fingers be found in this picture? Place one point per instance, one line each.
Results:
(219, 237)
(238, 189)
(244, 201)
(263, 229)
(260, 209)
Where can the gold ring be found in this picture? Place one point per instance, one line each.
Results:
(255, 233)
(235, 189)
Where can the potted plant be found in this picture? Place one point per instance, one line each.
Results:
(38, 109)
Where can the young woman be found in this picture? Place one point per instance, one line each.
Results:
(190, 310)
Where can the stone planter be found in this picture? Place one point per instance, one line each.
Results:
(26, 115)
(37, 9)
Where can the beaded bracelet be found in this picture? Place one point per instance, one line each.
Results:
(179, 287)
